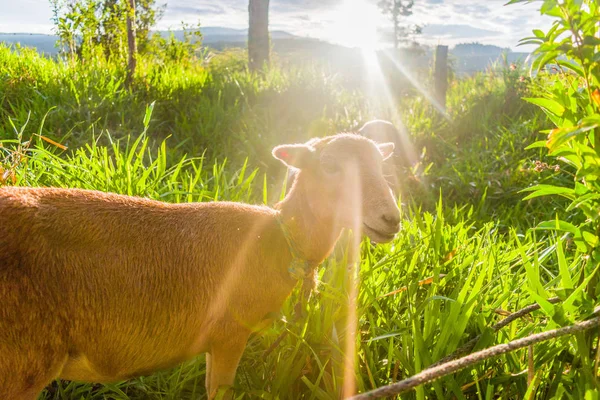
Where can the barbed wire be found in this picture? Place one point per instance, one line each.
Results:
(439, 371)
(467, 347)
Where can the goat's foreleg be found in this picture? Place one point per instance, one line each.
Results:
(222, 363)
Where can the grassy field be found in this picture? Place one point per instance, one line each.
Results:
(470, 249)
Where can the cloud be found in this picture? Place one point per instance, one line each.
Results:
(458, 31)
(304, 4)
(25, 16)
(198, 10)
(226, 13)
(446, 21)
(475, 10)
(498, 24)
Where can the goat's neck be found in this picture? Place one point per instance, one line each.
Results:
(312, 236)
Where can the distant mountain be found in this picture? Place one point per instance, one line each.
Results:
(43, 43)
(473, 57)
(466, 58)
(211, 35)
(471, 49)
(221, 31)
(218, 36)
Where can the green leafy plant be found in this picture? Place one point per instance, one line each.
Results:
(568, 87)
(89, 29)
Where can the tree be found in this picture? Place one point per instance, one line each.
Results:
(147, 14)
(87, 28)
(258, 34)
(132, 45)
(397, 9)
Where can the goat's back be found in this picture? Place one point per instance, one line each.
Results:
(113, 278)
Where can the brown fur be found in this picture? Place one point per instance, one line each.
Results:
(101, 287)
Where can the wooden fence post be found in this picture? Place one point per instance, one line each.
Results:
(440, 78)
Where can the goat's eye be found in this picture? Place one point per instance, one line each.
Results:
(330, 168)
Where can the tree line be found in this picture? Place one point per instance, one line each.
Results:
(121, 29)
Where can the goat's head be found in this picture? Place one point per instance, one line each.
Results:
(343, 181)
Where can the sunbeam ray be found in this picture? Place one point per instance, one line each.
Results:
(380, 95)
(417, 85)
(355, 186)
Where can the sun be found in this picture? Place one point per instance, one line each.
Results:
(354, 24)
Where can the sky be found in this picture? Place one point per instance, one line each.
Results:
(346, 22)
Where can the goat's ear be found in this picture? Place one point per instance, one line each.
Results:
(294, 155)
(386, 149)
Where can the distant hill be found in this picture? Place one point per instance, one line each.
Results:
(218, 36)
(211, 35)
(466, 58)
(473, 57)
(472, 49)
(43, 43)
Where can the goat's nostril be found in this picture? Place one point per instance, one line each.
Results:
(391, 219)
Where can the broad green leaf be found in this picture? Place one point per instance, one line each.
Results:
(572, 65)
(558, 225)
(535, 145)
(565, 275)
(584, 240)
(526, 41)
(545, 190)
(576, 293)
(550, 7)
(550, 54)
(590, 239)
(547, 104)
(591, 41)
(559, 137)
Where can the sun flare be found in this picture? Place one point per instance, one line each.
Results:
(354, 24)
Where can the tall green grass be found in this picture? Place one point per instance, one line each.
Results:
(219, 108)
(464, 254)
(406, 321)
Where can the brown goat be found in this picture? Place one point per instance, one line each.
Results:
(100, 287)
